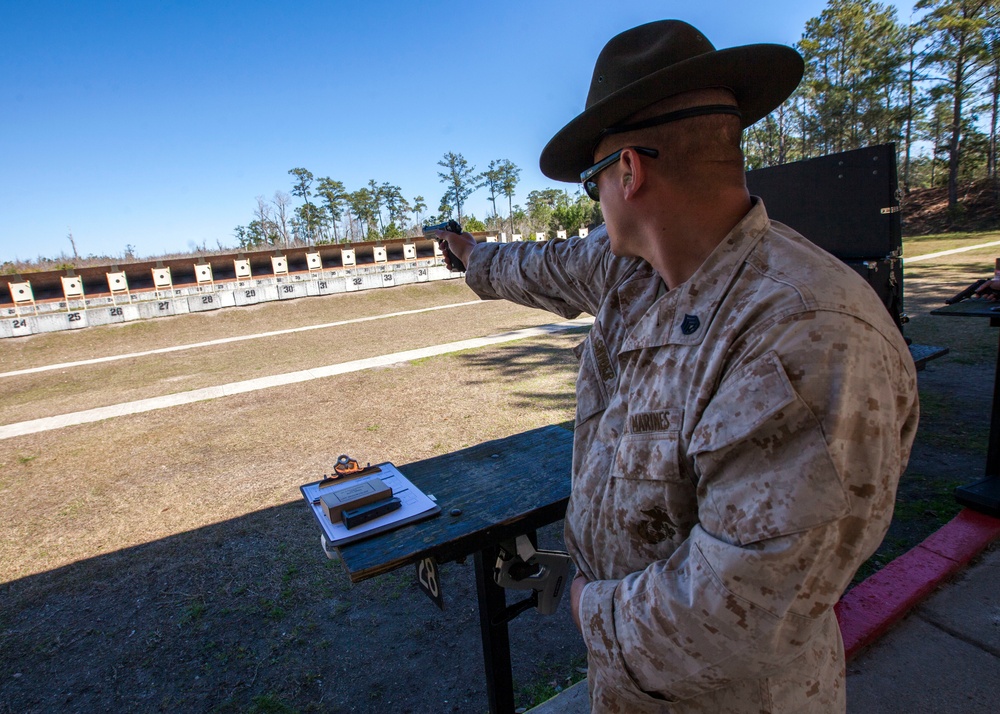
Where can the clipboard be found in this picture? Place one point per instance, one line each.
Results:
(415, 506)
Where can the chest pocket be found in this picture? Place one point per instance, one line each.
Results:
(655, 500)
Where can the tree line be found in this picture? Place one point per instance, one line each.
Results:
(931, 85)
(329, 213)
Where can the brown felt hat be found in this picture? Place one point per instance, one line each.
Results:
(658, 60)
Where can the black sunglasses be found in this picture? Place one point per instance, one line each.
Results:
(587, 177)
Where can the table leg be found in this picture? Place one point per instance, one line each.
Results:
(984, 496)
(496, 642)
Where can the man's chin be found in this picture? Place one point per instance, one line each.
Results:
(620, 251)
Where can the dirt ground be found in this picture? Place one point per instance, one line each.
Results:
(925, 210)
(165, 561)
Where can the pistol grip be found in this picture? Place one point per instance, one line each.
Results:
(454, 264)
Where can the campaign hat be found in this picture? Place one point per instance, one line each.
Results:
(658, 60)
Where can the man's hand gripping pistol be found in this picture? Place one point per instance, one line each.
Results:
(454, 264)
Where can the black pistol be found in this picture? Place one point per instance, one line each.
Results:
(456, 265)
(967, 293)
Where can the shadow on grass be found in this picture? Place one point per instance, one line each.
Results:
(248, 615)
(542, 375)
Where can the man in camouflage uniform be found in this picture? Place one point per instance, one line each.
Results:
(745, 405)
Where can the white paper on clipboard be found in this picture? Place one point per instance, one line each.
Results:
(415, 505)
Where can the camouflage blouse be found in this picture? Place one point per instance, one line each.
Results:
(738, 443)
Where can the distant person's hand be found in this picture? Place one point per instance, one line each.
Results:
(990, 290)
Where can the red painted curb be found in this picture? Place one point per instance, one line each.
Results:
(872, 607)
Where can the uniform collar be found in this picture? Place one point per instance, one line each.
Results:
(682, 315)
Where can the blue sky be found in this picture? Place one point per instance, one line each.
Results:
(156, 124)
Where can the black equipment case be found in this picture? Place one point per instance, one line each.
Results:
(848, 204)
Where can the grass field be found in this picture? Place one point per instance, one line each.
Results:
(163, 560)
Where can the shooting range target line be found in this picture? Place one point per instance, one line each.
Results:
(226, 340)
(932, 256)
(251, 385)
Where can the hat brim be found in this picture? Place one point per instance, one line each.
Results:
(761, 76)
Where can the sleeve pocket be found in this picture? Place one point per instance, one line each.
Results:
(762, 459)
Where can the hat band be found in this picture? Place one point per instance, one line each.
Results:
(671, 116)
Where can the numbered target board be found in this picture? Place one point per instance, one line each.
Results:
(162, 279)
(21, 292)
(279, 264)
(203, 273)
(117, 282)
(72, 287)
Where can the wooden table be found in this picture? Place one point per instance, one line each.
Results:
(983, 495)
(488, 493)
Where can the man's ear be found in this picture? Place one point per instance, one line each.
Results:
(633, 175)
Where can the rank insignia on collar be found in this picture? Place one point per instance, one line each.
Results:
(690, 324)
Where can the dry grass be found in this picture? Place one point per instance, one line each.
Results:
(58, 347)
(85, 490)
(49, 393)
(928, 284)
(923, 245)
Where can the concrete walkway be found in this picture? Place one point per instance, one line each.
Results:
(921, 635)
(943, 658)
